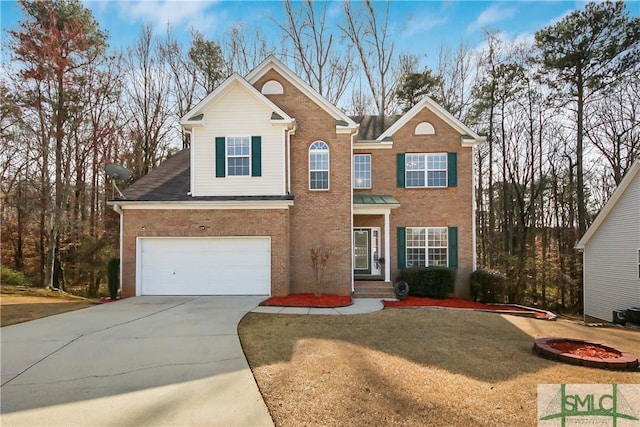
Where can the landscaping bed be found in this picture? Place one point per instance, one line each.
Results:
(309, 300)
(412, 302)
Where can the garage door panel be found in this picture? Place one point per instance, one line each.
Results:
(205, 266)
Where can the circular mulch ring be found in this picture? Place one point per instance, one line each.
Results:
(584, 353)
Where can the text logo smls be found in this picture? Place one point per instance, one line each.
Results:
(589, 405)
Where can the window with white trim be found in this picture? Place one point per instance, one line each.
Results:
(426, 170)
(427, 246)
(238, 156)
(362, 171)
(319, 166)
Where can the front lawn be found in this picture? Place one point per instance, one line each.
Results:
(413, 367)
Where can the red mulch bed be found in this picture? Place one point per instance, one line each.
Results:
(309, 300)
(584, 349)
(411, 301)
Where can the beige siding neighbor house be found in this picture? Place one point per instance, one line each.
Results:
(612, 252)
(275, 171)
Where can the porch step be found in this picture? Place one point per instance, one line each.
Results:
(373, 289)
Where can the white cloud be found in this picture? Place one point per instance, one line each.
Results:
(159, 12)
(491, 15)
(422, 23)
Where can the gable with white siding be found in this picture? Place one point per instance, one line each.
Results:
(238, 112)
(611, 252)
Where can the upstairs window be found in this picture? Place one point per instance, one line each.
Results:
(319, 166)
(362, 171)
(426, 170)
(238, 155)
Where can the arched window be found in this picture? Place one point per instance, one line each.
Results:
(425, 128)
(272, 87)
(319, 166)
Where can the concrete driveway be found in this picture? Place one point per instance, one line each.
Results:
(141, 361)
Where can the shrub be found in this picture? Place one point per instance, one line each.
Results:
(113, 277)
(488, 286)
(13, 277)
(432, 282)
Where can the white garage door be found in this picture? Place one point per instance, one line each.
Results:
(204, 266)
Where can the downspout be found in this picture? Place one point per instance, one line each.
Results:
(288, 154)
(118, 209)
(353, 137)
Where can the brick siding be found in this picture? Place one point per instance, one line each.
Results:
(318, 218)
(428, 207)
(216, 223)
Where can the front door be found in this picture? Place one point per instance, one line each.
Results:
(366, 251)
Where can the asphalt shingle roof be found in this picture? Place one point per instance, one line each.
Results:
(372, 127)
(171, 181)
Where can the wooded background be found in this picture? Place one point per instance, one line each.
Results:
(560, 114)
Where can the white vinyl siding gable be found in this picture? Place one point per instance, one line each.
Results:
(611, 279)
(238, 113)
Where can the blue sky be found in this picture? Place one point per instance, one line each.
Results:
(418, 27)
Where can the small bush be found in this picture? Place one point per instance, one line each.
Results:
(488, 286)
(113, 277)
(13, 277)
(432, 282)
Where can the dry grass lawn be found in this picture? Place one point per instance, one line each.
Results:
(18, 304)
(427, 367)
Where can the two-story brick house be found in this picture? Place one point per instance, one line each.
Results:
(274, 171)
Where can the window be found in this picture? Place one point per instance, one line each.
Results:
(426, 170)
(238, 155)
(427, 246)
(362, 171)
(319, 166)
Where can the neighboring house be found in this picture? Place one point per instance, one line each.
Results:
(611, 256)
(273, 171)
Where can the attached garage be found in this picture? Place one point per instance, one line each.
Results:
(203, 266)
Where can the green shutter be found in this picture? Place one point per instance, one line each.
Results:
(220, 157)
(402, 247)
(452, 169)
(400, 169)
(453, 247)
(256, 156)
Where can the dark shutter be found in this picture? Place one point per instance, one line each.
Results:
(402, 247)
(452, 169)
(256, 156)
(220, 157)
(453, 247)
(400, 169)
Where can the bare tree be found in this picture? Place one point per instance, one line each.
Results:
(328, 68)
(148, 105)
(613, 124)
(368, 33)
(243, 49)
(458, 77)
(54, 44)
